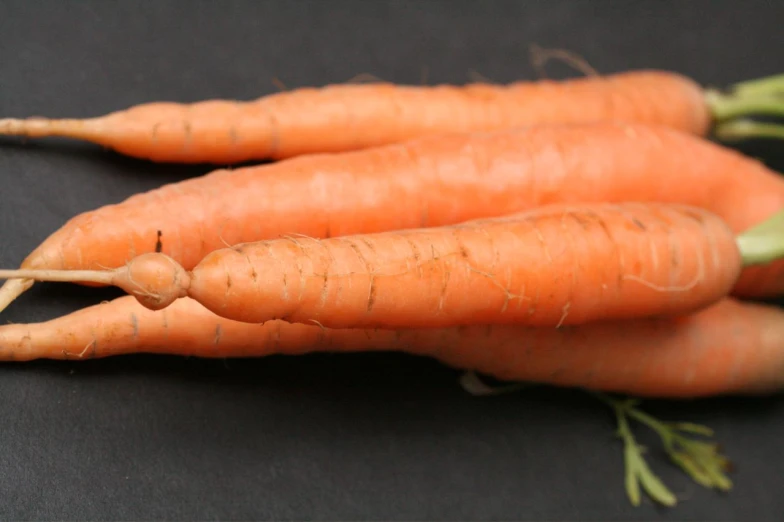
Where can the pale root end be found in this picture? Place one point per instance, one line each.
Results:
(44, 127)
(12, 289)
(154, 279)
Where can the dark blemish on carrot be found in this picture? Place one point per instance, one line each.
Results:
(187, 132)
(602, 223)
(581, 220)
(414, 250)
(218, 333)
(372, 294)
(639, 224)
(228, 281)
(154, 132)
(368, 244)
(415, 253)
(135, 324)
(444, 287)
(159, 243)
(695, 215)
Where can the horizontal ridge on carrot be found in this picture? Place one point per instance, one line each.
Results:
(731, 347)
(346, 117)
(551, 266)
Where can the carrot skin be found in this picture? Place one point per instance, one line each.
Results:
(553, 265)
(732, 347)
(338, 118)
(428, 182)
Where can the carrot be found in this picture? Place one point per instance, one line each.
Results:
(347, 117)
(731, 347)
(427, 182)
(551, 266)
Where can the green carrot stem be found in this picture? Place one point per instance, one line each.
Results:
(769, 85)
(746, 129)
(729, 106)
(763, 243)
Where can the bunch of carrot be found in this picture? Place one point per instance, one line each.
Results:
(578, 233)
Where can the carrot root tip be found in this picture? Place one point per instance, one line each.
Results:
(12, 289)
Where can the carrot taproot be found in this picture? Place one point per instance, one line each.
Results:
(731, 347)
(550, 266)
(346, 117)
(430, 181)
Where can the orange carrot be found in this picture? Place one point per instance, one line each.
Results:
(427, 182)
(732, 347)
(347, 117)
(554, 265)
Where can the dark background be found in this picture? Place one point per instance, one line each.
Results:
(326, 437)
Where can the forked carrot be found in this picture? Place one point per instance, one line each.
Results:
(427, 182)
(346, 117)
(551, 266)
(731, 347)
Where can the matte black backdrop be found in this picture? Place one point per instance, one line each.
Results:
(324, 437)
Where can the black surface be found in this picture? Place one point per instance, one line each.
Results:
(325, 437)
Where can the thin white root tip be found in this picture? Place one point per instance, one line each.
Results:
(12, 289)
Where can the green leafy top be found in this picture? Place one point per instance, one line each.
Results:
(700, 459)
